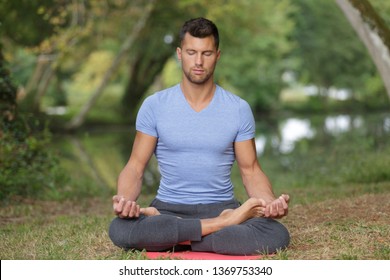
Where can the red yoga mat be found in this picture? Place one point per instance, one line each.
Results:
(190, 255)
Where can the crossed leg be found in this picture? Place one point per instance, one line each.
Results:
(252, 208)
(241, 230)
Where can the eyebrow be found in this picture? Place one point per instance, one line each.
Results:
(190, 49)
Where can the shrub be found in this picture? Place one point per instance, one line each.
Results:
(28, 167)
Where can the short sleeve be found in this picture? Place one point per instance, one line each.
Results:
(146, 120)
(247, 122)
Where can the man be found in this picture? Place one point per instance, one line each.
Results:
(197, 130)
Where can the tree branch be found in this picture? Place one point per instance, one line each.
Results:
(79, 119)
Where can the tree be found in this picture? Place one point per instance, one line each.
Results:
(255, 49)
(46, 29)
(155, 45)
(329, 52)
(28, 168)
(7, 94)
(373, 32)
(255, 44)
(78, 120)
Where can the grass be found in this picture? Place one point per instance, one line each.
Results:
(349, 227)
(339, 188)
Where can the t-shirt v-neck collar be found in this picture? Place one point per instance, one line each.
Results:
(206, 108)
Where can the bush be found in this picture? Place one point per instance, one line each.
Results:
(28, 168)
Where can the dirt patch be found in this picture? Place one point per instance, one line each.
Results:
(353, 228)
(24, 210)
(368, 207)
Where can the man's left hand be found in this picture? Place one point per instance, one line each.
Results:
(277, 208)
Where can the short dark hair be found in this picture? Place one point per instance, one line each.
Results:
(200, 28)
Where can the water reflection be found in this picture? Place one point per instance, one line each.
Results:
(343, 123)
(386, 124)
(260, 140)
(292, 130)
(101, 155)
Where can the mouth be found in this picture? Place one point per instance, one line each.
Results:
(198, 71)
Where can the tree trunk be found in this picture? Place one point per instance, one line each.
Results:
(7, 94)
(79, 119)
(42, 87)
(154, 47)
(38, 83)
(144, 71)
(373, 33)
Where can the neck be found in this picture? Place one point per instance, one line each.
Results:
(198, 94)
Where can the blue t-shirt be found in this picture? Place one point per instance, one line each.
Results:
(195, 149)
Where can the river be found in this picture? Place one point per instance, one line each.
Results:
(295, 151)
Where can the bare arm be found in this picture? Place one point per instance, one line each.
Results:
(256, 182)
(130, 179)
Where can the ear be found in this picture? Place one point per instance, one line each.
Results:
(178, 53)
(218, 54)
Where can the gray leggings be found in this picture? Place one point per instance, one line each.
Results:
(178, 223)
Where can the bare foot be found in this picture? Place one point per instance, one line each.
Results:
(252, 208)
(149, 211)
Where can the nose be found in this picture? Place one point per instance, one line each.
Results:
(199, 59)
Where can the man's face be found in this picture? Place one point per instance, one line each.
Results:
(198, 57)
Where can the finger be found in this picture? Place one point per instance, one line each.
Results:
(261, 211)
(126, 209)
(258, 211)
(118, 204)
(122, 204)
(138, 211)
(285, 197)
(277, 208)
(269, 210)
(283, 203)
(266, 212)
(133, 209)
(115, 200)
(282, 206)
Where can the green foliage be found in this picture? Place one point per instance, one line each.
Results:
(255, 44)
(7, 92)
(340, 162)
(330, 51)
(30, 22)
(28, 168)
(90, 76)
(260, 40)
(383, 9)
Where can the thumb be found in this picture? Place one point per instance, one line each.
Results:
(262, 202)
(286, 197)
(116, 198)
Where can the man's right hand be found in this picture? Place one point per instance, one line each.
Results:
(125, 208)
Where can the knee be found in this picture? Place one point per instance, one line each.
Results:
(282, 236)
(278, 237)
(118, 235)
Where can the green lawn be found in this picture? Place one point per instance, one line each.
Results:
(349, 227)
